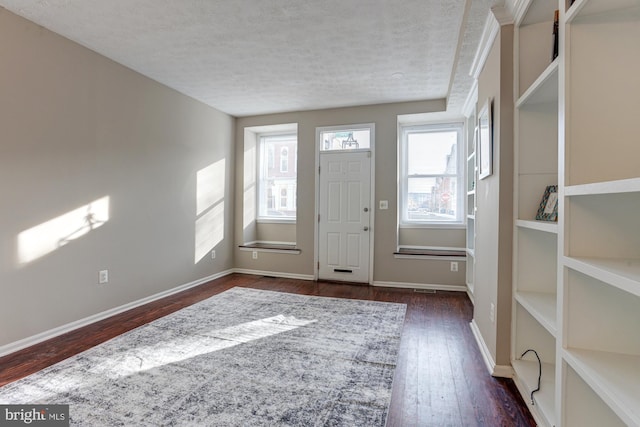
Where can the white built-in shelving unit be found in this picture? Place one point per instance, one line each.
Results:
(471, 173)
(535, 287)
(600, 258)
(576, 284)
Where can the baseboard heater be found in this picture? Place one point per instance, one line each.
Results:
(342, 270)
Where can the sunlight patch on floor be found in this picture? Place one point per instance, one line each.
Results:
(165, 353)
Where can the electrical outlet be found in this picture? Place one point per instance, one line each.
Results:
(254, 254)
(454, 266)
(213, 254)
(103, 276)
(492, 313)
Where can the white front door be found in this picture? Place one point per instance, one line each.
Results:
(344, 223)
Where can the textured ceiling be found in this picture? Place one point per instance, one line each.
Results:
(248, 57)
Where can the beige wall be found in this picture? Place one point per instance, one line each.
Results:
(434, 236)
(494, 198)
(269, 232)
(386, 267)
(76, 128)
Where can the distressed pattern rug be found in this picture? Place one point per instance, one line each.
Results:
(244, 357)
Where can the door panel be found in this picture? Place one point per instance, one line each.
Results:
(344, 216)
(354, 201)
(334, 200)
(333, 249)
(353, 250)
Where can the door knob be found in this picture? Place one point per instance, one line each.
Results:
(366, 209)
(366, 228)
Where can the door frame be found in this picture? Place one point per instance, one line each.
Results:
(372, 210)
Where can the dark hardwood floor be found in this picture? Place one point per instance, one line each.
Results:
(440, 379)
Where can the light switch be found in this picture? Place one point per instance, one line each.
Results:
(384, 204)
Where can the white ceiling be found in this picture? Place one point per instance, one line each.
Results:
(249, 57)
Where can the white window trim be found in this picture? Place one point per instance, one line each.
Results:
(262, 153)
(460, 223)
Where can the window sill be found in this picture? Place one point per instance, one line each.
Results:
(282, 248)
(434, 253)
(275, 221)
(450, 225)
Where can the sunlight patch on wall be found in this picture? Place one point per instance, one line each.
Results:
(45, 238)
(209, 231)
(210, 185)
(209, 226)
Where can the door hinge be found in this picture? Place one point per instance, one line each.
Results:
(318, 217)
(318, 170)
(318, 265)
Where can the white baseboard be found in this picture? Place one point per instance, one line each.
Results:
(273, 274)
(504, 371)
(407, 285)
(471, 296)
(52, 333)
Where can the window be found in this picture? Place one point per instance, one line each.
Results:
(271, 156)
(345, 138)
(270, 199)
(284, 159)
(276, 180)
(431, 174)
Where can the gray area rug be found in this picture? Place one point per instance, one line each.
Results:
(244, 357)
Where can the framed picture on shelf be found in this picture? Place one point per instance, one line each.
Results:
(485, 140)
(548, 209)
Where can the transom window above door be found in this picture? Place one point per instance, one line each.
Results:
(345, 138)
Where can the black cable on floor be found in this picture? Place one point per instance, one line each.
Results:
(539, 371)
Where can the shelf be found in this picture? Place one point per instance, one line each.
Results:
(623, 274)
(576, 282)
(542, 306)
(544, 89)
(546, 226)
(614, 377)
(599, 142)
(537, 11)
(582, 8)
(631, 185)
(527, 380)
(582, 406)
